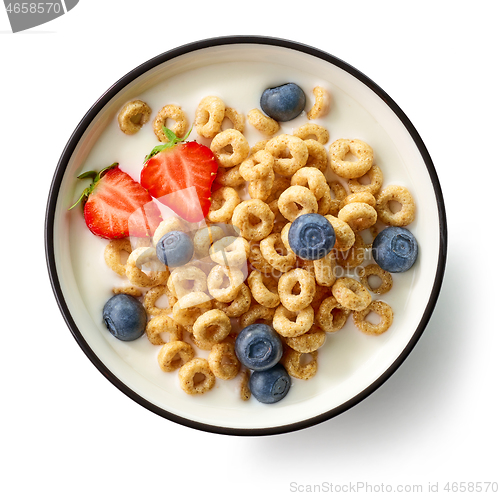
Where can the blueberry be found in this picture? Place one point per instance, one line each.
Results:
(395, 249)
(175, 249)
(258, 347)
(283, 103)
(311, 236)
(271, 385)
(125, 317)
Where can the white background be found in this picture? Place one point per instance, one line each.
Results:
(66, 430)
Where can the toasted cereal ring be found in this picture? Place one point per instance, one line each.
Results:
(130, 290)
(229, 177)
(224, 201)
(230, 251)
(186, 279)
(260, 145)
(239, 305)
(319, 133)
(276, 254)
(316, 155)
(152, 296)
(237, 119)
(321, 103)
(380, 308)
(204, 238)
(384, 276)
(212, 326)
(358, 215)
(351, 294)
(166, 226)
(307, 286)
(280, 185)
(163, 324)
(113, 254)
(344, 168)
(311, 340)
(258, 262)
(322, 292)
(140, 257)
(360, 197)
(245, 393)
(174, 355)
(400, 195)
(324, 269)
(376, 178)
(233, 140)
(354, 256)
(331, 315)
(257, 166)
(254, 219)
(174, 112)
(281, 147)
(291, 361)
(209, 116)
(256, 314)
(133, 116)
(325, 204)
(216, 279)
(291, 324)
(264, 289)
(223, 361)
(262, 122)
(313, 179)
(189, 373)
(344, 235)
(292, 197)
(261, 189)
(190, 307)
(340, 194)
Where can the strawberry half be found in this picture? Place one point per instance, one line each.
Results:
(180, 175)
(116, 206)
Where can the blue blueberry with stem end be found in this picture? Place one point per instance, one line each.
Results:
(175, 249)
(271, 385)
(258, 347)
(125, 317)
(283, 103)
(311, 236)
(395, 249)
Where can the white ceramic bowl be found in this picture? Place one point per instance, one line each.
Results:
(351, 364)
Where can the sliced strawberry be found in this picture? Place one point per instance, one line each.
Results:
(116, 206)
(180, 175)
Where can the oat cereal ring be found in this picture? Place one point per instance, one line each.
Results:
(163, 324)
(133, 116)
(276, 254)
(280, 185)
(325, 204)
(354, 256)
(254, 219)
(308, 342)
(313, 179)
(321, 104)
(189, 375)
(230, 148)
(245, 393)
(212, 327)
(166, 226)
(292, 362)
(262, 122)
(175, 113)
(295, 197)
(358, 215)
(292, 300)
(239, 305)
(224, 201)
(351, 294)
(141, 257)
(151, 297)
(344, 235)
(317, 156)
(229, 177)
(258, 262)
(257, 166)
(209, 116)
(384, 276)
(291, 324)
(223, 361)
(331, 315)
(256, 313)
(186, 279)
(216, 283)
(339, 193)
(230, 251)
(113, 254)
(264, 289)
(174, 355)
(324, 269)
(346, 169)
(237, 119)
(289, 152)
(400, 195)
(261, 189)
(360, 197)
(130, 290)
(380, 308)
(205, 238)
(375, 177)
(322, 292)
(190, 307)
(319, 133)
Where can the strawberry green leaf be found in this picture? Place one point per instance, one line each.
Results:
(172, 141)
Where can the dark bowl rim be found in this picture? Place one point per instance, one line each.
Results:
(99, 105)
